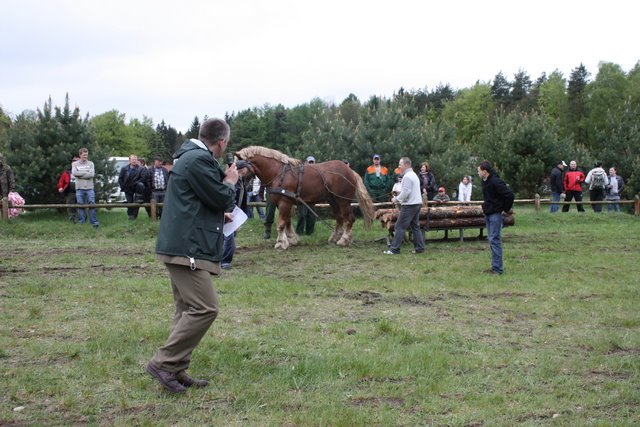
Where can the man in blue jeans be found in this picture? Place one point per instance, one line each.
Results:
(498, 198)
(84, 171)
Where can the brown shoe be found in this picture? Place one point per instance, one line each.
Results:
(166, 378)
(490, 271)
(184, 379)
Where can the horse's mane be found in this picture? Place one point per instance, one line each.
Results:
(270, 153)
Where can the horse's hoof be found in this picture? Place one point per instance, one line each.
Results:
(343, 242)
(281, 245)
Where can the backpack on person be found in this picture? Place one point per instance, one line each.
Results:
(597, 180)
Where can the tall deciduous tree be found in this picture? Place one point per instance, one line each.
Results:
(470, 112)
(607, 92)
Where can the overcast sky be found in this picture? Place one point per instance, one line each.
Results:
(178, 59)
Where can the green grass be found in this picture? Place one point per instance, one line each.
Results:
(321, 335)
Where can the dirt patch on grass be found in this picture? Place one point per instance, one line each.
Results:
(377, 402)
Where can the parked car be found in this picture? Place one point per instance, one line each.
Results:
(117, 196)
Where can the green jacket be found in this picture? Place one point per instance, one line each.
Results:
(194, 206)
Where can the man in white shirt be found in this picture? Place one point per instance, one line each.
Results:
(410, 200)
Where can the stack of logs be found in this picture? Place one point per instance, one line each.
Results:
(443, 218)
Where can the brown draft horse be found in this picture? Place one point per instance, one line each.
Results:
(290, 182)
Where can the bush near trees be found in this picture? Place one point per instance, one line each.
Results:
(523, 126)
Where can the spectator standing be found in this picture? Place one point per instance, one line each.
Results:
(157, 179)
(556, 182)
(620, 184)
(67, 189)
(597, 180)
(442, 196)
(190, 244)
(613, 190)
(270, 213)
(573, 179)
(84, 171)
(498, 198)
(7, 179)
(464, 189)
(306, 218)
(132, 182)
(377, 181)
(255, 196)
(428, 186)
(410, 201)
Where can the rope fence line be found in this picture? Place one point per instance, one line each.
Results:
(153, 205)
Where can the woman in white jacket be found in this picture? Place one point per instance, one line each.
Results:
(464, 189)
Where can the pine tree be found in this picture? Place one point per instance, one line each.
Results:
(41, 146)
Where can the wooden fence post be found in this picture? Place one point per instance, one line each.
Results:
(537, 203)
(154, 209)
(636, 205)
(5, 209)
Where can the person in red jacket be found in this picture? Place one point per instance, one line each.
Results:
(67, 189)
(573, 180)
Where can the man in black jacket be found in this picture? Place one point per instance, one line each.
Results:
(498, 198)
(556, 183)
(132, 182)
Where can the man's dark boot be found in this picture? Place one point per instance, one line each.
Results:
(166, 378)
(184, 379)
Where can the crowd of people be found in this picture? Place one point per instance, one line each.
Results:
(383, 185)
(568, 185)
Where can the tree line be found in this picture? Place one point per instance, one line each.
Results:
(524, 127)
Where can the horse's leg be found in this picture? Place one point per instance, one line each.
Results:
(337, 232)
(292, 236)
(347, 218)
(284, 221)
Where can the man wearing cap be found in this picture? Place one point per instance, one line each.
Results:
(306, 218)
(557, 185)
(410, 201)
(378, 181)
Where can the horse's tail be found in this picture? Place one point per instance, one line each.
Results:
(364, 201)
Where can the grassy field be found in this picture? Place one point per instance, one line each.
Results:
(321, 335)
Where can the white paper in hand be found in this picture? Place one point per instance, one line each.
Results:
(239, 218)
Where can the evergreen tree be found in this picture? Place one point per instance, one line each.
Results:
(500, 90)
(523, 147)
(42, 145)
(619, 144)
(577, 113)
(5, 124)
(520, 89)
(194, 129)
(167, 141)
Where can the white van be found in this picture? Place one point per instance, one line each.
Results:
(117, 196)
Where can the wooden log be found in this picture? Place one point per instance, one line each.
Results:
(386, 215)
(452, 223)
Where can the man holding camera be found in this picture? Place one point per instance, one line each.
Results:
(190, 244)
